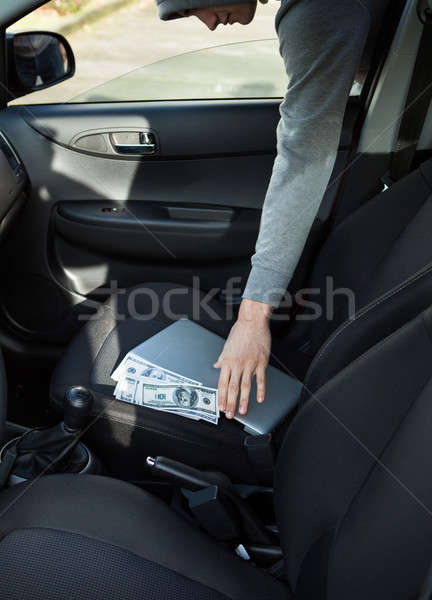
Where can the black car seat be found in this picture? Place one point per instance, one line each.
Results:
(3, 397)
(353, 504)
(382, 252)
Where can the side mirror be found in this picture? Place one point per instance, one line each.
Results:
(37, 60)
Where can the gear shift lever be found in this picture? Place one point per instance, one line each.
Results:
(56, 449)
(77, 406)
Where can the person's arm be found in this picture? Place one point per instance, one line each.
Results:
(321, 42)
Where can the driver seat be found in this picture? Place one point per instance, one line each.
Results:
(353, 503)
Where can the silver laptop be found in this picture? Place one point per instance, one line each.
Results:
(191, 350)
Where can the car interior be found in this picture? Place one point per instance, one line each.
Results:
(105, 202)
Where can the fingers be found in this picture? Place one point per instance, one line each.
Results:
(246, 383)
(261, 383)
(233, 392)
(231, 384)
(235, 382)
(223, 386)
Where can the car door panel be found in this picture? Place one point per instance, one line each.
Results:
(187, 128)
(191, 210)
(130, 230)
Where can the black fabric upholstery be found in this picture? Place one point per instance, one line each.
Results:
(382, 252)
(120, 523)
(86, 569)
(3, 397)
(132, 432)
(372, 323)
(353, 492)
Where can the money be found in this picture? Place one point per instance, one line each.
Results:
(192, 400)
(135, 366)
(126, 390)
(144, 383)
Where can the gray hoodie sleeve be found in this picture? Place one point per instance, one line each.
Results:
(321, 43)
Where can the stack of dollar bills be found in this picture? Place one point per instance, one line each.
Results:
(143, 383)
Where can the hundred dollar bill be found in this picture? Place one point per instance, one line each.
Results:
(186, 400)
(139, 368)
(126, 390)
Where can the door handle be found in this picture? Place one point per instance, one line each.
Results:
(146, 146)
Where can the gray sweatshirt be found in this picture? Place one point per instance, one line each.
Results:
(321, 43)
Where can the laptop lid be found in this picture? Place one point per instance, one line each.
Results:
(191, 350)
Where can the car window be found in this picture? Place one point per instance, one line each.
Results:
(115, 44)
(202, 74)
(125, 53)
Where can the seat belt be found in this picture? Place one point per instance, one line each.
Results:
(417, 104)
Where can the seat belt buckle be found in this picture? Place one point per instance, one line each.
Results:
(213, 513)
(386, 181)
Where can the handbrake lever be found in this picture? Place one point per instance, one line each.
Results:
(186, 476)
(195, 480)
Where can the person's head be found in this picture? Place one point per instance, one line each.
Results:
(212, 16)
(211, 12)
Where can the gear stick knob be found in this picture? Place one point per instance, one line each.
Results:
(77, 406)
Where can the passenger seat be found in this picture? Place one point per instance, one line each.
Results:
(382, 252)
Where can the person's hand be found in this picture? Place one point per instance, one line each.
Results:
(245, 354)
